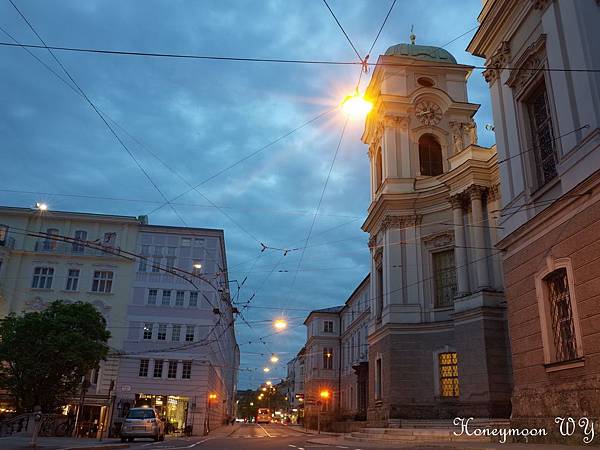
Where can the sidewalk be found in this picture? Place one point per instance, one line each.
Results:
(224, 431)
(24, 442)
(341, 441)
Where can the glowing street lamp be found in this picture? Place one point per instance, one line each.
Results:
(266, 370)
(274, 359)
(268, 383)
(280, 324)
(355, 105)
(324, 394)
(212, 396)
(197, 266)
(41, 206)
(264, 390)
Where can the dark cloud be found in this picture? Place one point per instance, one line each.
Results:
(201, 116)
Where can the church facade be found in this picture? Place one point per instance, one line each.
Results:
(437, 334)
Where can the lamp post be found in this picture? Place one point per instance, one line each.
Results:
(324, 394)
(211, 397)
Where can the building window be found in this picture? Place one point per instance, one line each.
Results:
(328, 326)
(80, 238)
(102, 282)
(72, 280)
(448, 363)
(379, 293)
(186, 242)
(327, 358)
(189, 333)
(542, 135)
(179, 298)
(430, 156)
(109, 239)
(193, 302)
(378, 169)
(148, 330)
(561, 313)
(156, 264)
(170, 262)
(152, 294)
(162, 332)
(172, 370)
(42, 278)
(158, 368)
(143, 370)
(50, 242)
(166, 298)
(176, 333)
(444, 271)
(143, 264)
(378, 380)
(186, 373)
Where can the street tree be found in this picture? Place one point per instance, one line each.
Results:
(45, 354)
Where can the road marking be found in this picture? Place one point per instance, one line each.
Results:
(341, 446)
(291, 445)
(263, 428)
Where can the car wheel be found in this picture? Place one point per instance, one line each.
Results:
(156, 438)
(162, 437)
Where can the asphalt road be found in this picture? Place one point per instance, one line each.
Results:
(247, 437)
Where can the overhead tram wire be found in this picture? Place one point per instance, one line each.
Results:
(381, 28)
(272, 60)
(344, 31)
(248, 156)
(117, 137)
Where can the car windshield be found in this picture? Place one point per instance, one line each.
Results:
(140, 414)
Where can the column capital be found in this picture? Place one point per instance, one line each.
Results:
(457, 201)
(476, 192)
(392, 221)
(494, 192)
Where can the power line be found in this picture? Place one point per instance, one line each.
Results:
(146, 174)
(314, 62)
(343, 31)
(381, 29)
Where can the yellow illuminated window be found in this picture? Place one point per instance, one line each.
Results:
(448, 374)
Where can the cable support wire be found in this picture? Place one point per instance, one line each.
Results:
(275, 60)
(87, 99)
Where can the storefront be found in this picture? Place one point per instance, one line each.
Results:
(173, 408)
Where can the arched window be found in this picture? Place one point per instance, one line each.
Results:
(378, 169)
(430, 156)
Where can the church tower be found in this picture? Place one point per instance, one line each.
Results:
(438, 346)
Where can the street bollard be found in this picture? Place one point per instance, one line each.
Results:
(37, 423)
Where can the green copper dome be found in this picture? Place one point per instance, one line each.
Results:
(423, 52)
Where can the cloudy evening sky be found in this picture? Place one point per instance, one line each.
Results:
(185, 120)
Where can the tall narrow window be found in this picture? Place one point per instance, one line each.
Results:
(156, 260)
(193, 301)
(542, 135)
(80, 238)
(379, 293)
(158, 368)
(378, 169)
(179, 298)
(448, 364)
(102, 282)
(148, 331)
(563, 325)
(176, 333)
(444, 271)
(72, 280)
(152, 294)
(162, 332)
(327, 358)
(172, 370)
(430, 156)
(166, 298)
(42, 278)
(143, 265)
(189, 333)
(328, 326)
(186, 373)
(378, 380)
(109, 239)
(50, 242)
(143, 370)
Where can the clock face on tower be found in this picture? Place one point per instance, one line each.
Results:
(428, 113)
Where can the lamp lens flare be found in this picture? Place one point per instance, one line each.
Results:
(280, 324)
(197, 266)
(41, 206)
(266, 370)
(355, 106)
(274, 359)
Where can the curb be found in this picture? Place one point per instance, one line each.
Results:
(97, 447)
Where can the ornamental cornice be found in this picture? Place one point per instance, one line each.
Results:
(500, 59)
(373, 241)
(378, 256)
(440, 239)
(392, 221)
(401, 122)
(528, 64)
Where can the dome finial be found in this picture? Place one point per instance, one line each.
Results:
(412, 36)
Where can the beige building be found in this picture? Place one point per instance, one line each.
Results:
(437, 328)
(36, 269)
(546, 106)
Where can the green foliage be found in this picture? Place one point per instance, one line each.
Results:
(45, 354)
